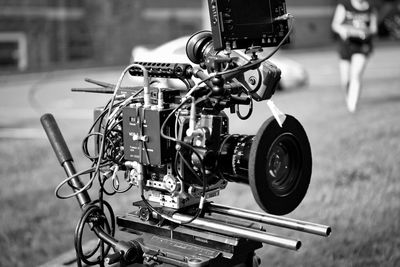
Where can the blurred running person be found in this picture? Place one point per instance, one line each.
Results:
(355, 21)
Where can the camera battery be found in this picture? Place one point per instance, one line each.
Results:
(142, 135)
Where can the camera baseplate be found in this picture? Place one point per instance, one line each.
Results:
(185, 245)
(220, 236)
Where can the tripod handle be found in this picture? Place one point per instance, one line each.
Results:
(56, 139)
(64, 156)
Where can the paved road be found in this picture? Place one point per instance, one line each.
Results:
(24, 98)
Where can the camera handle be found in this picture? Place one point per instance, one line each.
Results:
(127, 251)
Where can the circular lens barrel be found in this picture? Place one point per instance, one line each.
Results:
(276, 163)
(233, 157)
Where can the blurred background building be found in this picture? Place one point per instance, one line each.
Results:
(40, 33)
(43, 34)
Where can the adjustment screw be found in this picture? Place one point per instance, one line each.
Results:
(252, 80)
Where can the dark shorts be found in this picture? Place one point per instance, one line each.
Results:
(349, 47)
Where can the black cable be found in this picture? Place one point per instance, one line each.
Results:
(114, 187)
(95, 210)
(102, 187)
(85, 149)
(240, 116)
(189, 167)
(68, 179)
(147, 153)
(84, 257)
(107, 124)
(98, 120)
(176, 167)
(177, 140)
(109, 128)
(122, 191)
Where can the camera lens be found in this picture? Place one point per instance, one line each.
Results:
(276, 163)
(233, 157)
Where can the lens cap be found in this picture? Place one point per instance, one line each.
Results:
(280, 165)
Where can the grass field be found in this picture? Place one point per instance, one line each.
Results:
(355, 185)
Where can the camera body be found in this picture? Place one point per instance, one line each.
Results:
(158, 156)
(175, 146)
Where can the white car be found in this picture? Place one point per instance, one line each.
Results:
(293, 74)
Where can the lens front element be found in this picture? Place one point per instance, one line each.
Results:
(283, 162)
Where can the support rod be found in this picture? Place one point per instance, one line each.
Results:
(302, 226)
(242, 232)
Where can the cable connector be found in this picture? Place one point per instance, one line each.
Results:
(160, 99)
(192, 120)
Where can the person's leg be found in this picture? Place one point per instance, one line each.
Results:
(357, 66)
(345, 52)
(344, 68)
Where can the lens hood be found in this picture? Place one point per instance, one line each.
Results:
(280, 165)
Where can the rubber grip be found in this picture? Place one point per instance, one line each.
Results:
(56, 139)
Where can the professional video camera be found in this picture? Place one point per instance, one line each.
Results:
(175, 147)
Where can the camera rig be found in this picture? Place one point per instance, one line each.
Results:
(175, 147)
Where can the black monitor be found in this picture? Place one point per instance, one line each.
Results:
(240, 24)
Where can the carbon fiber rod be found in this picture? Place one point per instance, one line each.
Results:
(302, 226)
(242, 232)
